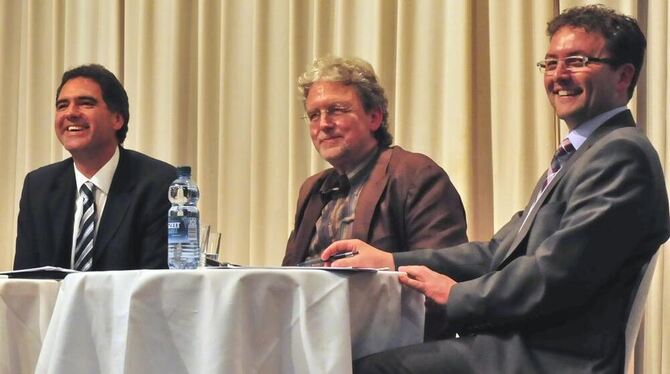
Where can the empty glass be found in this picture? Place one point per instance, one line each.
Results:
(210, 244)
(213, 246)
(204, 243)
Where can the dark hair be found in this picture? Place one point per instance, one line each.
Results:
(113, 93)
(623, 36)
(355, 72)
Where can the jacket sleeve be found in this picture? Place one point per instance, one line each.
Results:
(462, 262)
(434, 215)
(26, 255)
(153, 251)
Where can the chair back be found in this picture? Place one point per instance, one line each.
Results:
(636, 310)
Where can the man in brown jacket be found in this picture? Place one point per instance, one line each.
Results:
(394, 199)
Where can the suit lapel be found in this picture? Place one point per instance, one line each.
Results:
(532, 213)
(622, 119)
(118, 200)
(60, 208)
(312, 212)
(498, 259)
(370, 195)
(367, 201)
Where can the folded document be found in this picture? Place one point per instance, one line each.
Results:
(44, 272)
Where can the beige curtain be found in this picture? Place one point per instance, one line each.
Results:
(212, 85)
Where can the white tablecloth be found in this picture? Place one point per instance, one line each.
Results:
(227, 321)
(25, 311)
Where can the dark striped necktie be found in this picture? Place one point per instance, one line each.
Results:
(83, 258)
(334, 193)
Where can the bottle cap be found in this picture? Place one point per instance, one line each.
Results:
(183, 171)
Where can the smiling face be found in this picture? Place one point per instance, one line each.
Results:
(586, 92)
(341, 131)
(84, 124)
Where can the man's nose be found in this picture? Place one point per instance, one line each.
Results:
(561, 70)
(324, 120)
(72, 111)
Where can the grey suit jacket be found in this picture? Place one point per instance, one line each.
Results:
(132, 232)
(553, 295)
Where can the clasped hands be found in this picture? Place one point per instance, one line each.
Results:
(434, 285)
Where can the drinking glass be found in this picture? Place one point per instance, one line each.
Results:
(204, 243)
(213, 247)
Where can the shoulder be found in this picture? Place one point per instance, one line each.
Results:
(145, 161)
(632, 136)
(620, 158)
(401, 158)
(143, 165)
(619, 135)
(624, 143)
(51, 171)
(403, 163)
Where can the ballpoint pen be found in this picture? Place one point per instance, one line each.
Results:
(336, 256)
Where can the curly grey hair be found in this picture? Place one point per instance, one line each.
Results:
(358, 73)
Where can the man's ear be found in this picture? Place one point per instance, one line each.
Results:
(117, 121)
(376, 117)
(626, 74)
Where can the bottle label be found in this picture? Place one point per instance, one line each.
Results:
(182, 229)
(178, 194)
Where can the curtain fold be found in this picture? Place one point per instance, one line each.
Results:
(212, 84)
(653, 349)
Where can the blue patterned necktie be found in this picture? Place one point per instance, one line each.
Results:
(562, 154)
(83, 258)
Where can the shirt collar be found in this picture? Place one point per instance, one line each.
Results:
(334, 181)
(103, 178)
(363, 164)
(579, 135)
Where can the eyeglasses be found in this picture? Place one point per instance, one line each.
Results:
(333, 112)
(572, 63)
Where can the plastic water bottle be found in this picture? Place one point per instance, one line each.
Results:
(183, 222)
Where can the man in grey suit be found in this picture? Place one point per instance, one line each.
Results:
(551, 291)
(105, 208)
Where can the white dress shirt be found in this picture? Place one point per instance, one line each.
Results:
(102, 181)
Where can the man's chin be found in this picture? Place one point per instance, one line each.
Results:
(568, 111)
(332, 155)
(571, 118)
(331, 151)
(74, 146)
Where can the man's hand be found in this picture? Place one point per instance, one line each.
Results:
(434, 285)
(367, 256)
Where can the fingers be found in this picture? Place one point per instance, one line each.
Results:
(435, 286)
(340, 246)
(415, 271)
(345, 263)
(362, 255)
(413, 276)
(357, 260)
(413, 283)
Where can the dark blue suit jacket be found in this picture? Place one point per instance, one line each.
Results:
(132, 232)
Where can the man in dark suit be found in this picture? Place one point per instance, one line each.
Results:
(551, 291)
(392, 198)
(105, 208)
